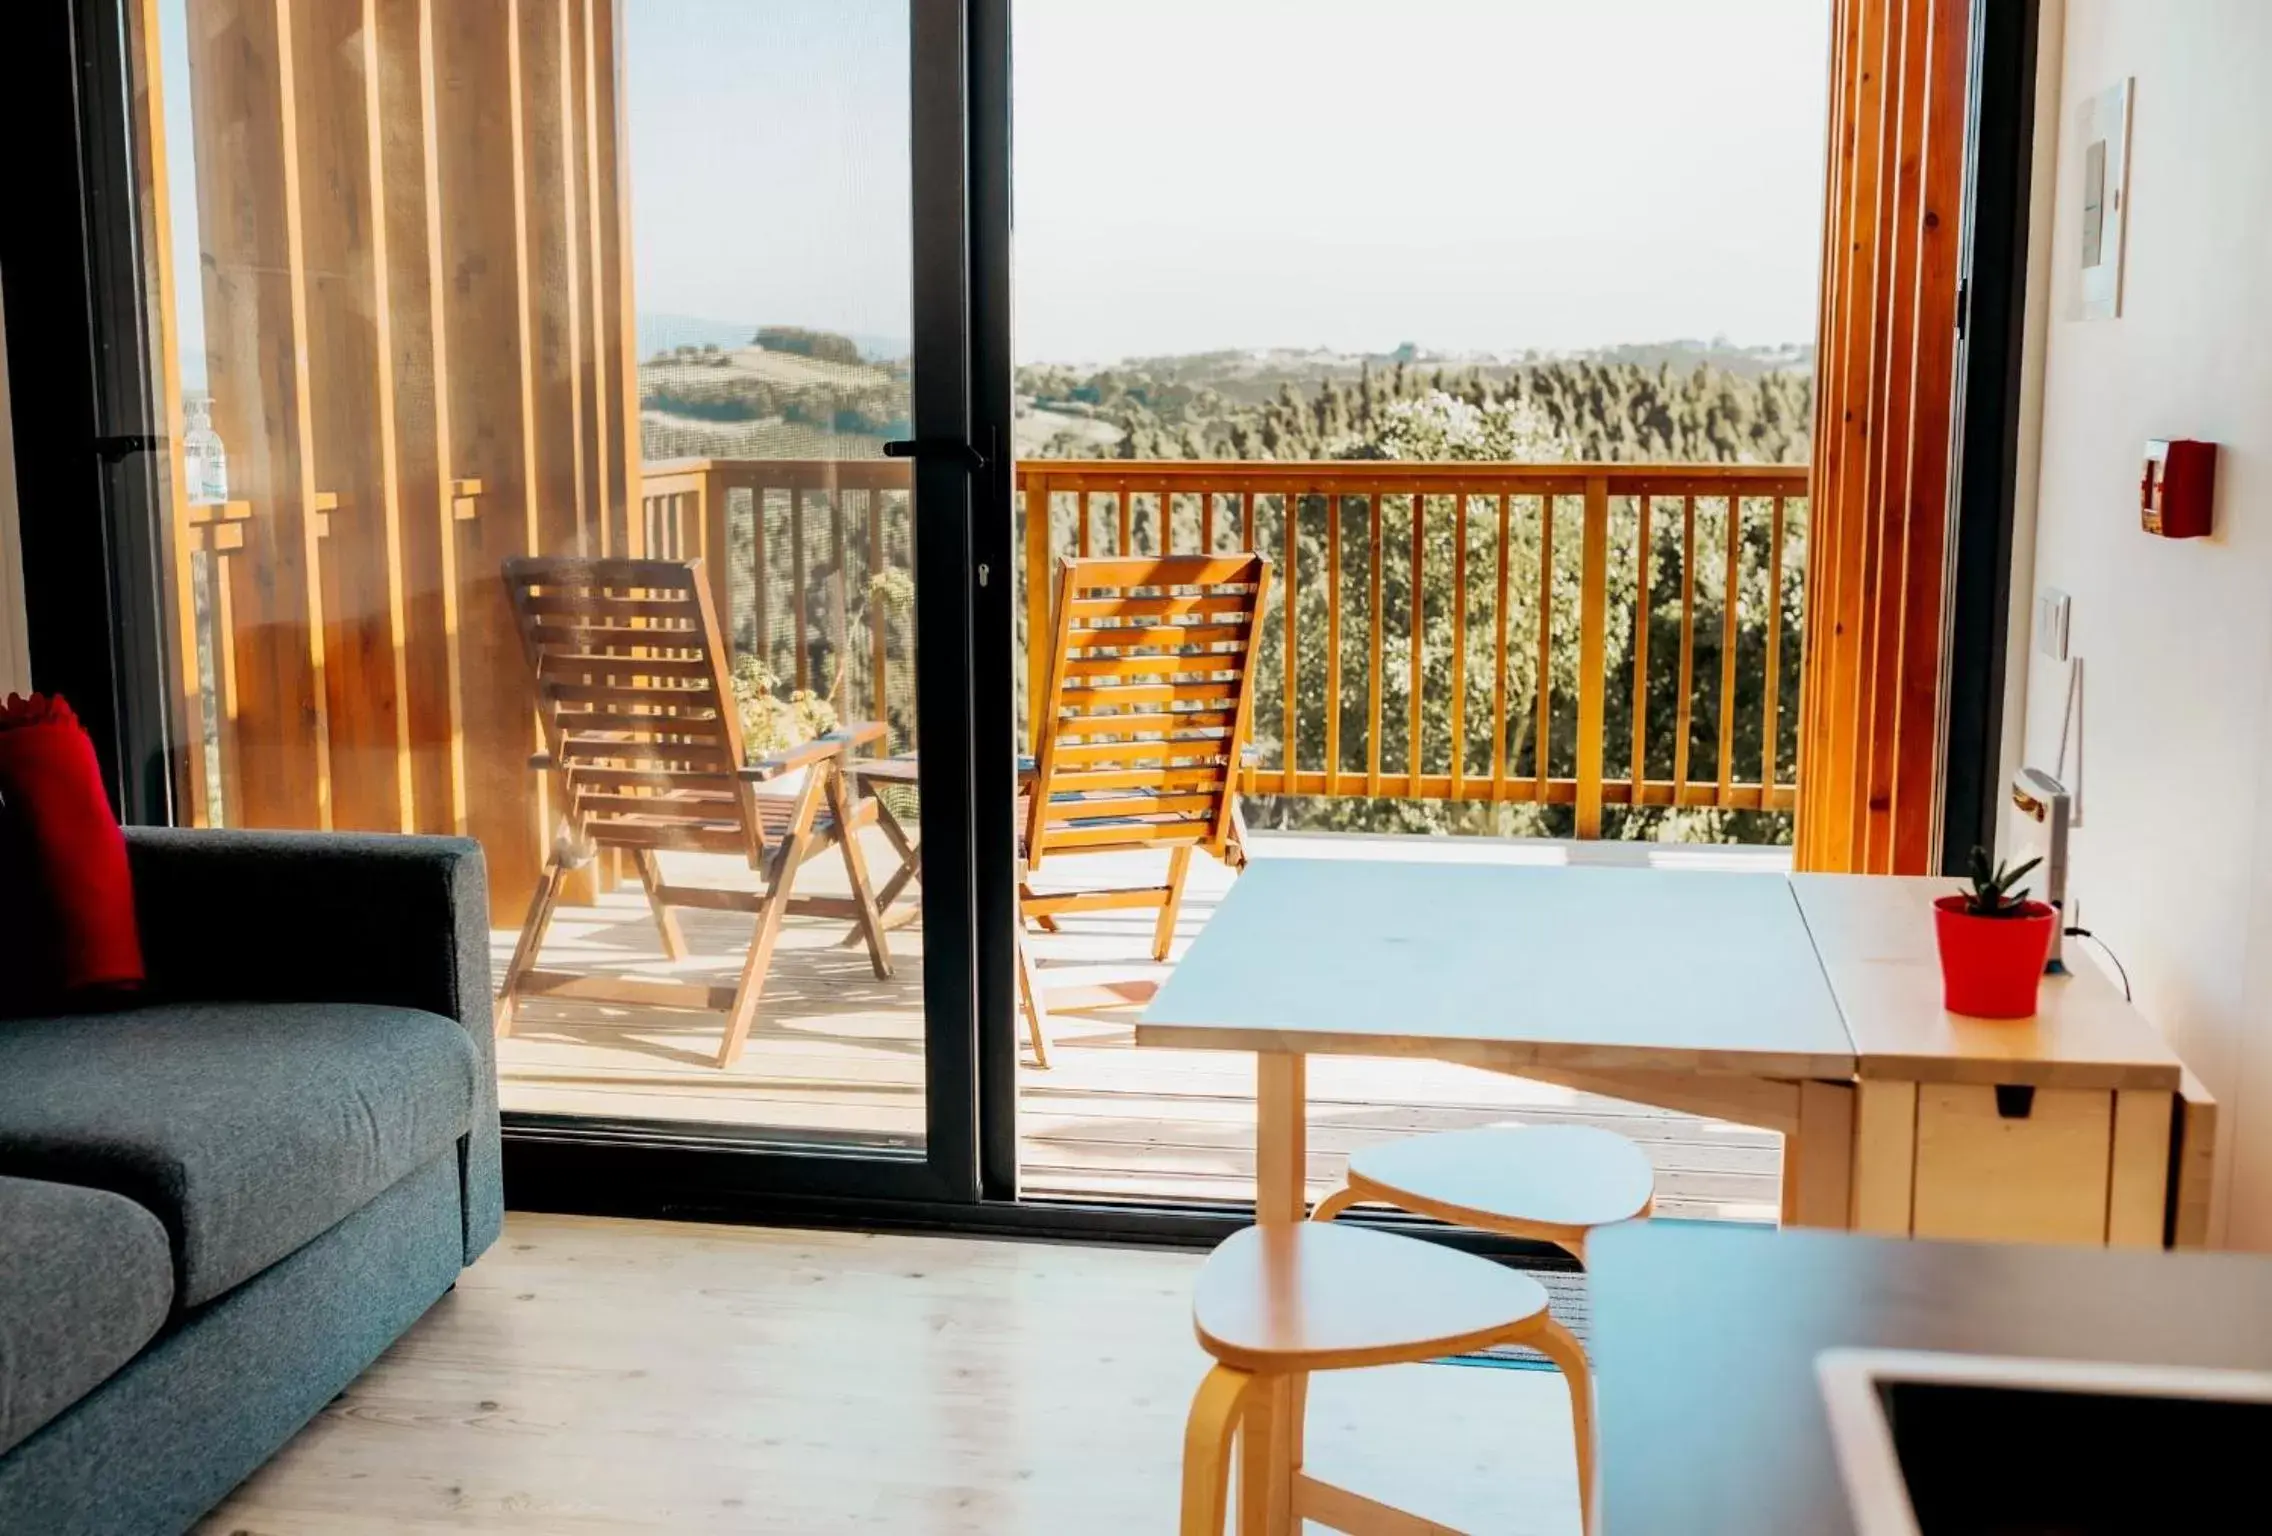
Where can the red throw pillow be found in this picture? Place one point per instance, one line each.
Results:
(66, 896)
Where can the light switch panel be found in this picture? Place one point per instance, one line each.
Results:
(2051, 623)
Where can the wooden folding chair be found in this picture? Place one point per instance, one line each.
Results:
(1143, 726)
(644, 746)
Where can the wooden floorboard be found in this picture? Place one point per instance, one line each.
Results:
(837, 1052)
(605, 1378)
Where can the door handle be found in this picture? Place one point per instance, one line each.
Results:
(952, 449)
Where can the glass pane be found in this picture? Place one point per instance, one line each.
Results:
(445, 288)
(1369, 255)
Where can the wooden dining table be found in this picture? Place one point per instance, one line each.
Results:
(1803, 1004)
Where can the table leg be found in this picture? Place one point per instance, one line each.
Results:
(1818, 1158)
(1281, 1198)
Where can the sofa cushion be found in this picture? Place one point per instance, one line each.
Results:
(85, 1281)
(246, 1128)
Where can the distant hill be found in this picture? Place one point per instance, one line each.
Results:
(665, 333)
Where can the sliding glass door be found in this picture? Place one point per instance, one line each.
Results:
(679, 290)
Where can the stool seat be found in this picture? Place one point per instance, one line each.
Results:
(1549, 1181)
(1315, 1296)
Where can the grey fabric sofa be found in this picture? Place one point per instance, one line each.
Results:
(219, 1206)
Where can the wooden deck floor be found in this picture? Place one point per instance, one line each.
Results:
(838, 1053)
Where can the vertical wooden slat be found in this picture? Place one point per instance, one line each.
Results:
(1545, 692)
(1039, 580)
(1125, 535)
(1684, 700)
(1501, 638)
(1333, 510)
(574, 297)
(1593, 646)
(761, 582)
(1246, 520)
(411, 372)
(800, 638)
(1730, 606)
(840, 551)
(878, 655)
(350, 388)
(472, 139)
(311, 523)
(622, 287)
(1770, 706)
(608, 538)
(1207, 522)
(1642, 610)
(1088, 517)
(1459, 642)
(1291, 600)
(1416, 619)
(1373, 640)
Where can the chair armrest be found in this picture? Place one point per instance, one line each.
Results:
(837, 743)
(314, 917)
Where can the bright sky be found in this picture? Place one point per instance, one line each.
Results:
(1464, 174)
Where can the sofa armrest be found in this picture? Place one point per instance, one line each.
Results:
(330, 918)
(314, 917)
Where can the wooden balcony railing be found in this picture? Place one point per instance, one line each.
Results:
(1589, 635)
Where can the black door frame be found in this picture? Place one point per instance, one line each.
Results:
(1991, 361)
(71, 262)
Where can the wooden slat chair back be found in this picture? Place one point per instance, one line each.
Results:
(1144, 722)
(643, 739)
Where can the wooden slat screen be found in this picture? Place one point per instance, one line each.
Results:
(1870, 736)
(416, 292)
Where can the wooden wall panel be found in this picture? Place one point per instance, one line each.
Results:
(419, 337)
(472, 144)
(416, 454)
(1871, 710)
(236, 81)
(349, 399)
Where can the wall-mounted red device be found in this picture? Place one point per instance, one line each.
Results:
(2180, 486)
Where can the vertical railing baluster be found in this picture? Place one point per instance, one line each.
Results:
(1373, 670)
(1593, 649)
(1459, 642)
(1416, 622)
(713, 499)
(1332, 642)
(761, 581)
(797, 583)
(1771, 710)
(1684, 704)
(1545, 698)
(1041, 582)
(841, 551)
(1126, 543)
(1501, 636)
(879, 655)
(1292, 588)
(1206, 522)
(1730, 605)
(1081, 534)
(1646, 564)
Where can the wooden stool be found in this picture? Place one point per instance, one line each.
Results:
(1552, 1182)
(1275, 1303)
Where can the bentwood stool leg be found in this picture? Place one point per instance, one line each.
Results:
(1207, 1434)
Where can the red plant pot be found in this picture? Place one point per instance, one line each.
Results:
(1991, 966)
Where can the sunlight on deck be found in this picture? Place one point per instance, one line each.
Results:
(836, 1053)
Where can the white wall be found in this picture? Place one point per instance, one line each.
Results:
(15, 656)
(2173, 757)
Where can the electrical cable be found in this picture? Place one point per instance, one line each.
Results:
(2107, 950)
